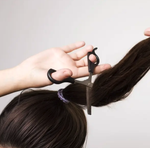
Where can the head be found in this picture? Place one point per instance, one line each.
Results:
(39, 119)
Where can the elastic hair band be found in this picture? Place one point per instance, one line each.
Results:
(61, 97)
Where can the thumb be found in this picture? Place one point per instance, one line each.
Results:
(61, 74)
(147, 32)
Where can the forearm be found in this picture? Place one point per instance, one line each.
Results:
(32, 73)
(11, 81)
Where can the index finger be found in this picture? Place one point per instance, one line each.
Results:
(71, 47)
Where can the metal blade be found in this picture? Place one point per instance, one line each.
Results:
(88, 100)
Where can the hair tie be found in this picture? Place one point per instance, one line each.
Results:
(61, 97)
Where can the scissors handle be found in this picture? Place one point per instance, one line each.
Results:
(70, 79)
(91, 65)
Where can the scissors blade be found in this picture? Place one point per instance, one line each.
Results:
(88, 88)
(88, 100)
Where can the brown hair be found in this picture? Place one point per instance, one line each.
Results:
(40, 119)
(116, 83)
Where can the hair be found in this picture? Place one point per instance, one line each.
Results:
(39, 119)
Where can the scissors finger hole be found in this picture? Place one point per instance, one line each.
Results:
(93, 58)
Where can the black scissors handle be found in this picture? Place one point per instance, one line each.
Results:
(87, 82)
(91, 65)
(70, 79)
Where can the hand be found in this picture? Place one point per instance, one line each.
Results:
(147, 32)
(67, 64)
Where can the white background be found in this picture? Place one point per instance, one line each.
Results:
(114, 26)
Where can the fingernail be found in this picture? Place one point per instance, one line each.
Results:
(67, 73)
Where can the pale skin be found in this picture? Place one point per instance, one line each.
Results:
(147, 32)
(33, 71)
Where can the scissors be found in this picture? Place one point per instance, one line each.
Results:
(88, 82)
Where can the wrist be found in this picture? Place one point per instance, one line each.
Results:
(20, 78)
(12, 80)
(8, 81)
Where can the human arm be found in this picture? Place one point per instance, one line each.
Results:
(33, 71)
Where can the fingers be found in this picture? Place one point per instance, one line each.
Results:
(82, 72)
(61, 74)
(82, 53)
(147, 32)
(84, 62)
(72, 47)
